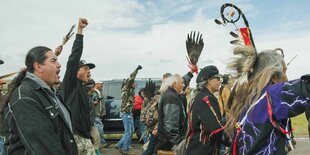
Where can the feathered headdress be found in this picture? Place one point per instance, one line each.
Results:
(244, 62)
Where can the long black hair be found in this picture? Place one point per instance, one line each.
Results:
(36, 54)
(140, 93)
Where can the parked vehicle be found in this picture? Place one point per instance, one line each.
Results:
(112, 98)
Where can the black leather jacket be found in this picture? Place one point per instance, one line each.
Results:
(171, 116)
(35, 124)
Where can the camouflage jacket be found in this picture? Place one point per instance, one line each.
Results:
(149, 113)
(128, 93)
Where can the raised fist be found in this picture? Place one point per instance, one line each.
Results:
(139, 67)
(83, 23)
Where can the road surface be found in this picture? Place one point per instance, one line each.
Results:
(302, 148)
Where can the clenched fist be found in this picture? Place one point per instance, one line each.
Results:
(82, 24)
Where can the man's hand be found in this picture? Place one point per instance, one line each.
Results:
(96, 102)
(139, 67)
(154, 132)
(82, 24)
(193, 68)
(58, 50)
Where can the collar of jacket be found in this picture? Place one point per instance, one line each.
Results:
(39, 83)
(208, 91)
(172, 89)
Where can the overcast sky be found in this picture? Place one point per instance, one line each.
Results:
(125, 33)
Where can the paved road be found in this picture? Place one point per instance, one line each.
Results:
(136, 150)
(302, 148)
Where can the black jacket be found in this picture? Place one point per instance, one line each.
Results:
(203, 122)
(171, 121)
(35, 123)
(74, 94)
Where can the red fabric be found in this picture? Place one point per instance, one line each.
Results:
(206, 100)
(274, 123)
(235, 142)
(138, 103)
(246, 36)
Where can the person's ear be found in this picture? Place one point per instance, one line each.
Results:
(274, 80)
(174, 84)
(37, 67)
(208, 81)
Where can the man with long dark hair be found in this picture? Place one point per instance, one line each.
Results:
(36, 120)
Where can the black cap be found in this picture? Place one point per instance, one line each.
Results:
(207, 73)
(1, 62)
(84, 63)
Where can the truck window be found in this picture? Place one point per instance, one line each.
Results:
(114, 90)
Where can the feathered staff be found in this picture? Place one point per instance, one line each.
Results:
(7, 75)
(64, 41)
(149, 90)
(194, 46)
(245, 32)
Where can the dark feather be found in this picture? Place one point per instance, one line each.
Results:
(218, 22)
(194, 46)
(234, 34)
(236, 42)
(7, 75)
(68, 36)
(149, 90)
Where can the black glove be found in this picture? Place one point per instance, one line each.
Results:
(139, 67)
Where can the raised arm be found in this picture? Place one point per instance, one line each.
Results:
(70, 79)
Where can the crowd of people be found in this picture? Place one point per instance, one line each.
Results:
(246, 112)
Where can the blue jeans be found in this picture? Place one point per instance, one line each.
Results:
(1, 145)
(151, 147)
(140, 125)
(125, 142)
(99, 126)
(142, 129)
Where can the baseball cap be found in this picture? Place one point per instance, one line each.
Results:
(84, 63)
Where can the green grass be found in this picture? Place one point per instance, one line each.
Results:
(300, 125)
